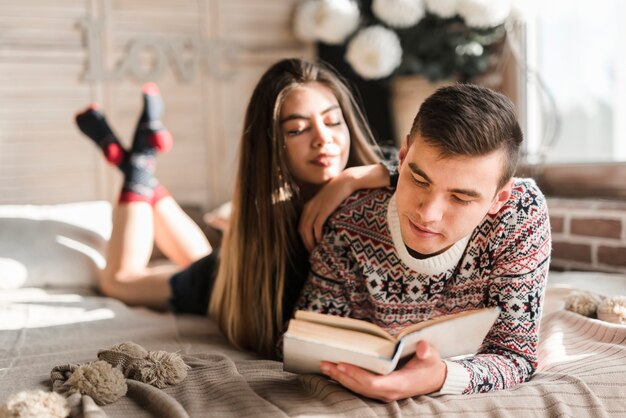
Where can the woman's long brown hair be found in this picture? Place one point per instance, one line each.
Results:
(262, 242)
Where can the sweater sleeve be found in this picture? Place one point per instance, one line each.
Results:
(331, 275)
(517, 269)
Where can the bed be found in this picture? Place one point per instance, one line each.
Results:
(51, 320)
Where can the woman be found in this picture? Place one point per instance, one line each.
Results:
(302, 128)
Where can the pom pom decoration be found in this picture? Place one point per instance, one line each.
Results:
(123, 356)
(131, 349)
(35, 404)
(442, 8)
(98, 380)
(156, 368)
(584, 303)
(484, 13)
(160, 369)
(613, 310)
(103, 382)
(304, 22)
(399, 13)
(374, 52)
(330, 21)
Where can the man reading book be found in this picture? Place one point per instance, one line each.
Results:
(459, 233)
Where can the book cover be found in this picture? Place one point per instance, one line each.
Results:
(313, 337)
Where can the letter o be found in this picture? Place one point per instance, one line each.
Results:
(134, 60)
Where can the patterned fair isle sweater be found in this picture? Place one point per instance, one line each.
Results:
(362, 269)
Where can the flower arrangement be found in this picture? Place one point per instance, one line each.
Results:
(439, 39)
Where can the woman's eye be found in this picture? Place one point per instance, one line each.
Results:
(296, 132)
(333, 123)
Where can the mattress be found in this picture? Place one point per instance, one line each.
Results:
(582, 369)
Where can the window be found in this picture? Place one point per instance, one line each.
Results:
(576, 109)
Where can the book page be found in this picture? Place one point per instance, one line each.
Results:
(329, 336)
(425, 324)
(345, 323)
(461, 335)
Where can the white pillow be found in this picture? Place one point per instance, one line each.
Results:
(53, 245)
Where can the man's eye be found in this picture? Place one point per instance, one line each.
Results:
(420, 183)
(461, 201)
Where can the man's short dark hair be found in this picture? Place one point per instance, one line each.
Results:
(469, 120)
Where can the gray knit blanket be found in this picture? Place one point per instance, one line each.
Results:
(582, 372)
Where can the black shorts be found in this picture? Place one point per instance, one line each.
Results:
(192, 287)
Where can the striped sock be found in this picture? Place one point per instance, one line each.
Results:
(150, 137)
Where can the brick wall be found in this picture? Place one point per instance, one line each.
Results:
(588, 234)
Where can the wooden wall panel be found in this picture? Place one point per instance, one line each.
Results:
(41, 54)
(51, 66)
(262, 22)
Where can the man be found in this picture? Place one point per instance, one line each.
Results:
(458, 233)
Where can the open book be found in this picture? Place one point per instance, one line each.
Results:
(312, 337)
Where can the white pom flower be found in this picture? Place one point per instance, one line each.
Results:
(329, 21)
(399, 13)
(375, 52)
(442, 8)
(304, 24)
(522, 11)
(484, 13)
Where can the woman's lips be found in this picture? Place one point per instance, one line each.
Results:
(324, 160)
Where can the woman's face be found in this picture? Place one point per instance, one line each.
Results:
(317, 139)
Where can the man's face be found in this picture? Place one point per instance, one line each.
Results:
(441, 200)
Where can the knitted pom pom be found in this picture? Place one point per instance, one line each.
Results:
(35, 404)
(613, 310)
(123, 355)
(130, 348)
(584, 303)
(99, 380)
(160, 369)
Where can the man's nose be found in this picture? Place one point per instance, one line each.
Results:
(430, 209)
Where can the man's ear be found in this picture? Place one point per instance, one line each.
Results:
(403, 150)
(501, 197)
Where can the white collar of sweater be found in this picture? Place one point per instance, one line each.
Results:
(431, 265)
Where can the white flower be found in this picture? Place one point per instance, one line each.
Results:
(399, 13)
(375, 52)
(522, 10)
(442, 8)
(484, 13)
(304, 24)
(329, 21)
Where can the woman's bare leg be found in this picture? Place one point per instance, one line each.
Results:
(177, 235)
(127, 276)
